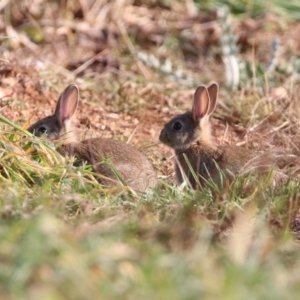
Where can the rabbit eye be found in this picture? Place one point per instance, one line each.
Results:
(42, 130)
(177, 126)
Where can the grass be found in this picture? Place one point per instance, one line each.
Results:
(64, 236)
(254, 8)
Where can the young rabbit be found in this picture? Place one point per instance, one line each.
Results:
(190, 136)
(122, 159)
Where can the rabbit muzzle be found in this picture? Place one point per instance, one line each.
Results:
(163, 137)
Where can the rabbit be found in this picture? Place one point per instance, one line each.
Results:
(189, 135)
(129, 163)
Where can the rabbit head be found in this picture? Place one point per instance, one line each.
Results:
(59, 126)
(186, 129)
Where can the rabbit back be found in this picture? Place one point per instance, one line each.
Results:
(131, 164)
(226, 162)
(211, 163)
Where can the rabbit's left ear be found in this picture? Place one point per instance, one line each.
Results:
(201, 103)
(67, 104)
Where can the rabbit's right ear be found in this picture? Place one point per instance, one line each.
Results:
(201, 103)
(213, 90)
(67, 104)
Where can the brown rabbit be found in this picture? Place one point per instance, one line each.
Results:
(190, 136)
(121, 159)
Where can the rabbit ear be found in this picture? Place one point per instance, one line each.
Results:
(201, 103)
(213, 90)
(67, 104)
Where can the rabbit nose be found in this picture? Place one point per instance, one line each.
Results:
(163, 135)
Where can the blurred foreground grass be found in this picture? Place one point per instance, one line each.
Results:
(62, 236)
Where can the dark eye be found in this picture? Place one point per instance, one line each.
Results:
(177, 126)
(42, 130)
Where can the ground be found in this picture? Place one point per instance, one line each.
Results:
(120, 95)
(125, 57)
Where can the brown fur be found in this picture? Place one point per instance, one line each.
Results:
(119, 156)
(130, 164)
(192, 138)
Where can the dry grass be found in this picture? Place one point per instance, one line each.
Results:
(62, 235)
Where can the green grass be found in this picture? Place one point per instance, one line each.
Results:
(62, 236)
(254, 8)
